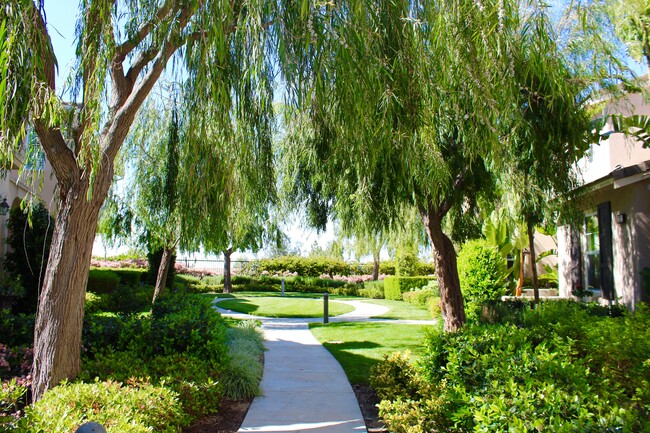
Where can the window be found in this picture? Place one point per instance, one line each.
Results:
(592, 253)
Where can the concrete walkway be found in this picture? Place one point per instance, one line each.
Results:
(304, 388)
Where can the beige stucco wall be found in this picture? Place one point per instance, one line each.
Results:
(16, 187)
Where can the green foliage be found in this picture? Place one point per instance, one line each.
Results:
(13, 398)
(130, 409)
(481, 270)
(372, 289)
(559, 368)
(242, 374)
(154, 258)
(396, 377)
(387, 267)
(394, 287)
(305, 267)
(265, 283)
(406, 262)
(16, 329)
(102, 280)
(29, 238)
(131, 277)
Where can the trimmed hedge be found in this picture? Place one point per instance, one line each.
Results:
(394, 287)
(305, 267)
(102, 280)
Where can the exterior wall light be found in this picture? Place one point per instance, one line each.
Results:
(4, 207)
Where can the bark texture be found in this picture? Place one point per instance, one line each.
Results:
(227, 278)
(375, 265)
(533, 259)
(444, 256)
(163, 271)
(59, 319)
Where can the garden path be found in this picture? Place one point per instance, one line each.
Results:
(304, 388)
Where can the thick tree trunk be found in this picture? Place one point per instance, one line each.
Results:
(375, 265)
(227, 280)
(57, 332)
(163, 271)
(444, 256)
(533, 259)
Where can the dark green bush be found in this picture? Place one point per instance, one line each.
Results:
(102, 280)
(29, 248)
(406, 262)
(482, 271)
(559, 369)
(131, 277)
(394, 287)
(16, 329)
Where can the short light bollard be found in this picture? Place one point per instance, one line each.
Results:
(326, 313)
(91, 427)
(283, 286)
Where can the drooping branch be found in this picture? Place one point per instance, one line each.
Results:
(131, 44)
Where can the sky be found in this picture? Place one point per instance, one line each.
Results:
(61, 18)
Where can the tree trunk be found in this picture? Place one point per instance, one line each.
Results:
(375, 265)
(520, 278)
(533, 259)
(163, 270)
(227, 280)
(444, 256)
(59, 319)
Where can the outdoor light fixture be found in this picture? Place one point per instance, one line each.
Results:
(621, 218)
(4, 207)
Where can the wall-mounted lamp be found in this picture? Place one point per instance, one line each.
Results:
(621, 218)
(4, 207)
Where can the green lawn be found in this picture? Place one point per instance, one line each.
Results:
(359, 346)
(290, 307)
(401, 310)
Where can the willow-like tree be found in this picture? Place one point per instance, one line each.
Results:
(414, 104)
(219, 47)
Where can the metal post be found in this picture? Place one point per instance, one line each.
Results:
(282, 286)
(326, 314)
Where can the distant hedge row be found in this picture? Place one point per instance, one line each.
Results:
(315, 267)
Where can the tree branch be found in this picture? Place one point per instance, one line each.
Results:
(56, 149)
(128, 46)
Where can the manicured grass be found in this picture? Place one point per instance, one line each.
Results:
(289, 307)
(359, 346)
(401, 310)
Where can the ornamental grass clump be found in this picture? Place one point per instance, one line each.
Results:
(242, 373)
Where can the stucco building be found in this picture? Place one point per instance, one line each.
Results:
(609, 251)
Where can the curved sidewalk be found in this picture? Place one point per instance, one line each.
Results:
(304, 387)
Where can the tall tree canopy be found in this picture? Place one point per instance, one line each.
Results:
(425, 104)
(220, 48)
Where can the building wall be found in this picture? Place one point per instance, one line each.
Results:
(630, 240)
(15, 188)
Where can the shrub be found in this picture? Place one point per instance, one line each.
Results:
(242, 374)
(406, 263)
(131, 277)
(394, 287)
(387, 267)
(13, 398)
(306, 267)
(29, 248)
(130, 409)
(423, 268)
(553, 371)
(481, 270)
(102, 280)
(372, 290)
(419, 297)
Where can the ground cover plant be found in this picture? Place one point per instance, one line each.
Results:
(289, 307)
(561, 367)
(179, 357)
(360, 346)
